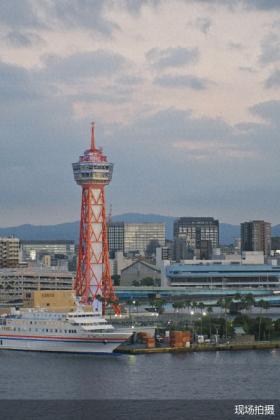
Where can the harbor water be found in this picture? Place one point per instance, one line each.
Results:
(192, 386)
(193, 376)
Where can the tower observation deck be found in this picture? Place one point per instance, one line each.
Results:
(93, 279)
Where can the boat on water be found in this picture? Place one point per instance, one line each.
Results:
(77, 331)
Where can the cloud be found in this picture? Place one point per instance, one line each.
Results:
(219, 149)
(203, 24)
(273, 81)
(247, 69)
(129, 80)
(181, 81)
(83, 14)
(269, 111)
(172, 57)
(57, 14)
(248, 4)
(20, 14)
(83, 65)
(135, 6)
(262, 4)
(22, 39)
(174, 124)
(235, 46)
(270, 49)
(16, 84)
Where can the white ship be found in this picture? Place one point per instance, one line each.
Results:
(79, 331)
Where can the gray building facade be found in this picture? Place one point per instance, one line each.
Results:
(256, 236)
(135, 237)
(198, 234)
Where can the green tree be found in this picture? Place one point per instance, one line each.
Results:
(194, 305)
(210, 311)
(248, 301)
(225, 304)
(187, 304)
(277, 325)
(201, 306)
(159, 304)
(263, 304)
(147, 281)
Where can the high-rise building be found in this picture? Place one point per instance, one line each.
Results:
(9, 252)
(199, 233)
(116, 237)
(135, 237)
(256, 236)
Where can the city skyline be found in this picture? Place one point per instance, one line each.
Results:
(188, 113)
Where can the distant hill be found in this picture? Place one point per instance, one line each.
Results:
(71, 230)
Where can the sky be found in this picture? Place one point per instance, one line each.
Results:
(185, 95)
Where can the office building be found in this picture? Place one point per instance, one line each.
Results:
(256, 236)
(135, 238)
(115, 237)
(9, 252)
(33, 250)
(199, 234)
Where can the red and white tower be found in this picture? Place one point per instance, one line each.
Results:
(93, 280)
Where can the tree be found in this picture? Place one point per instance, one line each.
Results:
(137, 304)
(210, 311)
(147, 281)
(225, 303)
(194, 305)
(277, 325)
(248, 301)
(263, 304)
(177, 306)
(201, 306)
(159, 304)
(187, 304)
(135, 283)
(129, 303)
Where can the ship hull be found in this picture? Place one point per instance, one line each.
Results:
(61, 345)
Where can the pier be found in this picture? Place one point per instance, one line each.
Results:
(137, 349)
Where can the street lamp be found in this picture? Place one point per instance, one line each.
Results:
(192, 325)
(203, 314)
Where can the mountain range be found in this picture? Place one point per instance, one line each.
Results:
(71, 230)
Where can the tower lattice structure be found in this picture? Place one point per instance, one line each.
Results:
(93, 279)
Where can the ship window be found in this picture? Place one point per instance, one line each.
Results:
(47, 330)
(55, 330)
